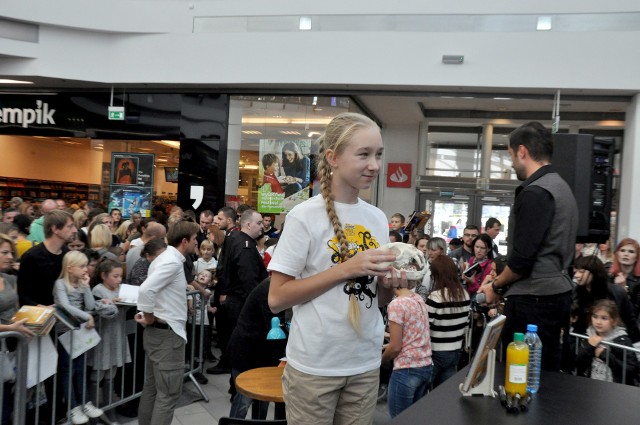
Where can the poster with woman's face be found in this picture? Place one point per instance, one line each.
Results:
(284, 174)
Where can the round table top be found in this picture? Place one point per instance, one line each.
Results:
(263, 383)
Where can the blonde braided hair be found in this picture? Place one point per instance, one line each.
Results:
(337, 135)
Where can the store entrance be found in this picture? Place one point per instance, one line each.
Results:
(454, 208)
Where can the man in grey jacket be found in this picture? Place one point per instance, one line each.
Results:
(542, 235)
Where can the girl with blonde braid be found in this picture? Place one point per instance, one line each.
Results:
(326, 267)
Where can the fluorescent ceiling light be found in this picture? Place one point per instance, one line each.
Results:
(501, 98)
(291, 133)
(544, 23)
(263, 121)
(305, 23)
(7, 81)
(251, 132)
(171, 143)
(249, 167)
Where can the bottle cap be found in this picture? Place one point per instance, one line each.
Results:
(532, 328)
(518, 336)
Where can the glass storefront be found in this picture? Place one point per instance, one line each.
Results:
(272, 139)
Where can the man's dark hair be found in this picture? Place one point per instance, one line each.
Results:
(93, 212)
(145, 222)
(55, 219)
(492, 221)
(207, 213)
(242, 208)
(181, 230)
(395, 234)
(229, 213)
(23, 222)
(536, 138)
(153, 247)
(471, 227)
(456, 242)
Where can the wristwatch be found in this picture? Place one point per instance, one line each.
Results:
(498, 290)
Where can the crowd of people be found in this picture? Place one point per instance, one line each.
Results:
(328, 276)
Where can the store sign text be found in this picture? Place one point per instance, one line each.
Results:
(25, 116)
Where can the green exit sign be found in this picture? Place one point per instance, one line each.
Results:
(116, 113)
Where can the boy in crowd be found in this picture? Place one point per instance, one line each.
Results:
(397, 223)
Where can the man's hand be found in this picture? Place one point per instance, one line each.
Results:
(491, 296)
(144, 319)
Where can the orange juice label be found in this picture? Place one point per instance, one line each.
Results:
(518, 373)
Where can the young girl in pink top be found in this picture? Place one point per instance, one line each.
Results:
(410, 348)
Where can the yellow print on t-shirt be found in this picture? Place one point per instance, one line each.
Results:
(358, 239)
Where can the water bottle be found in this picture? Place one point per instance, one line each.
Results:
(535, 358)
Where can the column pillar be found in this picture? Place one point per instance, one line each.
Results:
(487, 148)
(628, 214)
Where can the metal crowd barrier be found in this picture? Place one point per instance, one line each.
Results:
(626, 351)
(19, 384)
(28, 402)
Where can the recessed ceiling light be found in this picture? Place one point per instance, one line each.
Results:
(7, 81)
(305, 23)
(544, 23)
(501, 98)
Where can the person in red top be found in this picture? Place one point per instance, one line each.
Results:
(271, 165)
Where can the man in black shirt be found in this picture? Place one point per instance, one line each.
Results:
(542, 236)
(40, 266)
(243, 269)
(465, 252)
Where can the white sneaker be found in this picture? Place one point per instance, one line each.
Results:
(77, 416)
(92, 411)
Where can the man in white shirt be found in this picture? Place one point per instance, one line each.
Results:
(162, 302)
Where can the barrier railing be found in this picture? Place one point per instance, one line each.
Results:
(37, 398)
(626, 352)
(13, 364)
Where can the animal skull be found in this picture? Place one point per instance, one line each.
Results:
(408, 259)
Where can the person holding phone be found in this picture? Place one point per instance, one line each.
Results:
(479, 264)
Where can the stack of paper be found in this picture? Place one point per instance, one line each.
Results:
(39, 319)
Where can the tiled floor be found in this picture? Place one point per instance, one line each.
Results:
(200, 412)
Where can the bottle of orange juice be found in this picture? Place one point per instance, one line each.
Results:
(517, 363)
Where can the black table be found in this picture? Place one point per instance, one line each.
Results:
(563, 399)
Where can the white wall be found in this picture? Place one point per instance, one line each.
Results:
(153, 42)
(629, 210)
(404, 140)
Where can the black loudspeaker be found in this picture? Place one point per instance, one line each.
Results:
(586, 164)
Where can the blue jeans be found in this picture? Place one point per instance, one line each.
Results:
(241, 403)
(407, 386)
(445, 365)
(73, 377)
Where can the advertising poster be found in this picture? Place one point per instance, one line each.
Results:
(284, 174)
(131, 187)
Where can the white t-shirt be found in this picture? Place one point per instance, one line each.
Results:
(201, 264)
(322, 341)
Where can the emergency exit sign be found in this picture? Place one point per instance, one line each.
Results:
(116, 113)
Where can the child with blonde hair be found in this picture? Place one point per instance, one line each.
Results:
(72, 292)
(326, 267)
